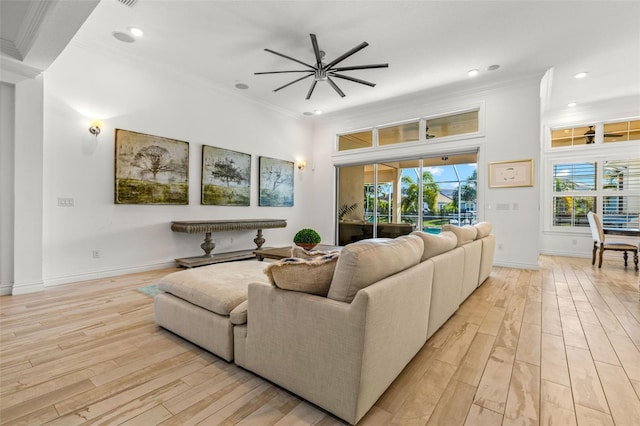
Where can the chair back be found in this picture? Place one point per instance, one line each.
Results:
(596, 227)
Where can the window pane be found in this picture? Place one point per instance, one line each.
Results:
(397, 134)
(561, 137)
(458, 124)
(574, 177)
(573, 136)
(355, 140)
(352, 205)
(449, 191)
(620, 211)
(572, 211)
(621, 175)
(622, 131)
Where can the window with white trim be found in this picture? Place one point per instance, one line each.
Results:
(610, 187)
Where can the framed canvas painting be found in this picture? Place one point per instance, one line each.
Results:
(276, 183)
(150, 169)
(226, 177)
(511, 174)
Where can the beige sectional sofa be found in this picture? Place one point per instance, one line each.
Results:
(341, 347)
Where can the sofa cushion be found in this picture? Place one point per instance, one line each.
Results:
(365, 262)
(465, 234)
(435, 244)
(305, 275)
(302, 253)
(484, 229)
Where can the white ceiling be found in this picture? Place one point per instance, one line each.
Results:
(427, 44)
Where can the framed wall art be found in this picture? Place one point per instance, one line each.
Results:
(150, 169)
(226, 177)
(511, 174)
(276, 183)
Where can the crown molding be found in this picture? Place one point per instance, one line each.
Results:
(30, 26)
(14, 71)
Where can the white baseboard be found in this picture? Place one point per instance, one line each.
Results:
(28, 287)
(67, 279)
(5, 289)
(565, 254)
(514, 265)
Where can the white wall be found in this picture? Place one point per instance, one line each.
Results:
(28, 187)
(83, 85)
(7, 117)
(510, 129)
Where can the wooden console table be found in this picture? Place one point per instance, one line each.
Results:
(209, 226)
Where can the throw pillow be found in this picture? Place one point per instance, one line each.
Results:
(435, 244)
(302, 253)
(484, 229)
(465, 234)
(368, 261)
(311, 276)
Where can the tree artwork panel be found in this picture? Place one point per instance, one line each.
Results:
(276, 182)
(150, 169)
(226, 177)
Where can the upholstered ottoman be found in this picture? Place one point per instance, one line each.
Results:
(200, 304)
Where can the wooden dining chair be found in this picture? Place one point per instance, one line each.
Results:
(598, 242)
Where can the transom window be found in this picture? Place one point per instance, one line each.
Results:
(596, 133)
(432, 129)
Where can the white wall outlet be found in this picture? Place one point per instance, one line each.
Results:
(95, 254)
(499, 246)
(65, 202)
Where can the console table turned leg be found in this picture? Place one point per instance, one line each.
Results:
(208, 245)
(259, 240)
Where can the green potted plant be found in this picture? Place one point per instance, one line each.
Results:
(306, 238)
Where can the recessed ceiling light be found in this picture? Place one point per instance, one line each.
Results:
(136, 31)
(473, 73)
(582, 74)
(571, 104)
(307, 113)
(241, 86)
(124, 37)
(317, 111)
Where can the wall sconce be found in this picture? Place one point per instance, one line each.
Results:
(302, 164)
(95, 127)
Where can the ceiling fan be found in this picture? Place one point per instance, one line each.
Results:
(591, 133)
(324, 72)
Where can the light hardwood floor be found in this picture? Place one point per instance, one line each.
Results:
(556, 346)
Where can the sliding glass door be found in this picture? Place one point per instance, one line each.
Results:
(393, 198)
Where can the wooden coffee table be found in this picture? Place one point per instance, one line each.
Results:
(284, 252)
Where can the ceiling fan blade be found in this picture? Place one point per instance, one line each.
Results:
(290, 58)
(612, 135)
(356, 80)
(279, 72)
(313, 86)
(360, 67)
(294, 81)
(347, 54)
(335, 87)
(316, 51)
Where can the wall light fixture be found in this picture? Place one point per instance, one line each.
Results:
(95, 127)
(302, 164)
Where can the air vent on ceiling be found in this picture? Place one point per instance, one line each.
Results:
(128, 3)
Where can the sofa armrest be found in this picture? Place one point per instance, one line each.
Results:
(339, 356)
